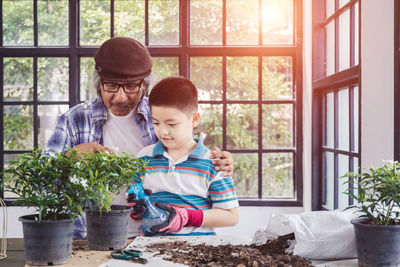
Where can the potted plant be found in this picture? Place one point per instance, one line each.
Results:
(377, 230)
(45, 183)
(107, 175)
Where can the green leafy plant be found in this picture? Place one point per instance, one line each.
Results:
(106, 175)
(44, 182)
(59, 187)
(377, 193)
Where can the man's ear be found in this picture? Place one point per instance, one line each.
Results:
(195, 119)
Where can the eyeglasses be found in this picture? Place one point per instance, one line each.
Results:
(129, 88)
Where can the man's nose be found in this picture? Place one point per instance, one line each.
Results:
(120, 96)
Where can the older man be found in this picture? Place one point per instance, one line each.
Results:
(120, 116)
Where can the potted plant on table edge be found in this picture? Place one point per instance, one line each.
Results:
(44, 182)
(377, 230)
(107, 175)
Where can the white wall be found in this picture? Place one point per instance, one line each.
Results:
(14, 227)
(251, 219)
(377, 82)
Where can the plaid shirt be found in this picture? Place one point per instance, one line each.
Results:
(83, 123)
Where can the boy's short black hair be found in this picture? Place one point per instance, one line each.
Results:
(177, 92)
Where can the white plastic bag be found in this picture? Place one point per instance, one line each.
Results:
(318, 234)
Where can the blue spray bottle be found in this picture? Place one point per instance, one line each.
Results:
(153, 215)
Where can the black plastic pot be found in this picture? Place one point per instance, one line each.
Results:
(48, 242)
(108, 230)
(377, 245)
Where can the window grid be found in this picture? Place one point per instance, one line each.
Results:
(323, 85)
(184, 52)
(336, 151)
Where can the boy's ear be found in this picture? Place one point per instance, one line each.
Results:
(195, 119)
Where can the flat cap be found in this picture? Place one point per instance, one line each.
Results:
(123, 59)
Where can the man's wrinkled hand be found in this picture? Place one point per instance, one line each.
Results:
(223, 161)
(92, 147)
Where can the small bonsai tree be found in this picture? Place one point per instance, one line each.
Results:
(106, 175)
(377, 193)
(45, 183)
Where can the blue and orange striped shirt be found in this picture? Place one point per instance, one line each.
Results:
(190, 182)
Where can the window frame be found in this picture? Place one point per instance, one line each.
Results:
(323, 84)
(183, 51)
(396, 90)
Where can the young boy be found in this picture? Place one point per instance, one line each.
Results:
(181, 177)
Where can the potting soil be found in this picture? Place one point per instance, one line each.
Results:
(270, 254)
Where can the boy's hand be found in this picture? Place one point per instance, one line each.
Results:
(178, 218)
(139, 206)
(223, 161)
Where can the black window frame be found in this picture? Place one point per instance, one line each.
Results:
(323, 84)
(183, 51)
(396, 90)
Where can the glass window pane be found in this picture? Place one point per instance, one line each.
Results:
(242, 22)
(277, 22)
(18, 79)
(329, 7)
(330, 120)
(330, 48)
(343, 119)
(87, 88)
(277, 175)
(206, 74)
(356, 33)
(342, 3)
(343, 168)
(330, 180)
(53, 79)
(18, 23)
(53, 22)
(47, 118)
(129, 19)
(242, 78)
(355, 170)
(356, 114)
(245, 174)
(18, 127)
(344, 40)
(7, 160)
(277, 77)
(277, 126)
(210, 126)
(242, 126)
(355, 165)
(164, 22)
(162, 68)
(205, 22)
(94, 21)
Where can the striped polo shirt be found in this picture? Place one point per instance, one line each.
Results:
(190, 182)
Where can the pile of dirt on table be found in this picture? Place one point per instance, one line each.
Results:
(270, 254)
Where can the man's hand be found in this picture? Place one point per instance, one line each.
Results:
(223, 161)
(139, 206)
(92, 147)
(178, 218)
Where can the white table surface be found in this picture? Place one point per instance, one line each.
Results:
(157, 261)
